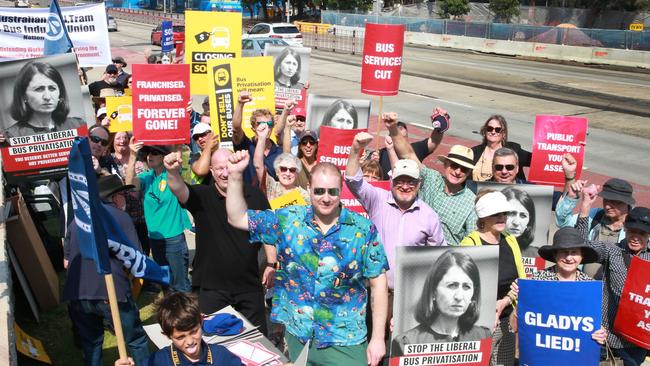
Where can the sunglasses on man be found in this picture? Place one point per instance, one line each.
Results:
(98, 140)
(334, 192)
(268, 123)
(499, 167)
(306, 142)
(197, 137)
(495, 129)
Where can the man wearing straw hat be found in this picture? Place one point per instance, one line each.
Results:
(446, 193)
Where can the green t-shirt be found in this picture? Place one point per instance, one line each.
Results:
(164, 215)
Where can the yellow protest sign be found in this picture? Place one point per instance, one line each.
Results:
(209, 36)
(119, 112)
(637, 27)
(30, 347)
(229, 77)
(293, 197)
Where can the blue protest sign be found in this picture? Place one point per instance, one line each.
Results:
(556, 320)
(167, 37)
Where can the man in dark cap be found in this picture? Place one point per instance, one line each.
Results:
(616, 261)
(120, 63)
(85, 289)
(108, 81)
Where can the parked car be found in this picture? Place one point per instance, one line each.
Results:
(255, 46)
(286, 31)
(21, 4)
(112, 24)
(179, 35)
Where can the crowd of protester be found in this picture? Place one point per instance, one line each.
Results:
(297, 263)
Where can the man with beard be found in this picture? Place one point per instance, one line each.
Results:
(108, 81)
(446, 193)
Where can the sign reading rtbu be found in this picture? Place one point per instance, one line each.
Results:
(382, 59)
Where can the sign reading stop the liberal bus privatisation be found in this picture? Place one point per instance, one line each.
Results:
(556, 320)
(335, 144)
(160, 98)
(290, 72)
(166, 36)
(37, 147)
(23, 31)
(633, 314)
(555, 136)
(209, 36)
(381, 64)
(228, 78)
(419, 305)
(350, 201)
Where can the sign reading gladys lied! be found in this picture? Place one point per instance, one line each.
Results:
(160, 98)
(633, 314)
(335, 144)
(23, 31)
(554, 136)
(444, 305)
(290, 72)
(119, 112)
(381, 64)
(556, 320)
(230, 77)
(351, 203)
(42, 115)
(209, 36)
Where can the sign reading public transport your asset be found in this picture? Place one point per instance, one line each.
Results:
(160, 98)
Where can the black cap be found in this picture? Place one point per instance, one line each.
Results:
(618, 190)
(566, 238)
(111, 69)
(163, 150)
(638, 218)
(111, 184)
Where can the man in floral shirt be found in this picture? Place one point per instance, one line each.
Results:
(325, 255)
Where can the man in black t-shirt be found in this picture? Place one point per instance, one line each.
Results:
(226, 269)
(108, 81)
(422, 149)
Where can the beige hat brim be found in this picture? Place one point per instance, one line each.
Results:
(442, 158)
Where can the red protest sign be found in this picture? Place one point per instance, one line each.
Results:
(160, 97)
(351, 203)
(41, 156)
(334, 145)
(633, 314)
(533, 265)
(554, 136)
(381, 64)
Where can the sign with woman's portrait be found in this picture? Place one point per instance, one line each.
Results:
(43, 114)
(345, 114)
(290, 71)
(444, 303)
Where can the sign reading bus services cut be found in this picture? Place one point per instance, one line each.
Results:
(160, 97)
(382, 59)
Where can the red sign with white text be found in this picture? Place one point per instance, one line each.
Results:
(334, 145)
(40, 156)
(381, 64)
(555, 136)
(351, 203)
(161, 94)
(633, 314)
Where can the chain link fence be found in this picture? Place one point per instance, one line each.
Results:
(585, 37)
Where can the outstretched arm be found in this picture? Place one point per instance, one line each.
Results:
(173, 162)
(236, 206)
(361, 140)
(402, 146)
(131, 178)
(201, 166)
(390, 150)
(237, 130)
(286, 137)
(279, 128)
(258, 158)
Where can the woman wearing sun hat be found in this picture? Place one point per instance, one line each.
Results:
(492, 210)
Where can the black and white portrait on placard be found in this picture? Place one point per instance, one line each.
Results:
(43, 95)
(443, 294)
(530, 220)
(336, 112)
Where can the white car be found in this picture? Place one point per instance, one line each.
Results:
(286, 31)
(112, 24)
(21, 4)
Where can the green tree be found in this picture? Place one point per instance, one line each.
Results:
(453, 8)
(504, 9)
(359, 5)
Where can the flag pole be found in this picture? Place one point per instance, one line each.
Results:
(115, 314)
(381, 101)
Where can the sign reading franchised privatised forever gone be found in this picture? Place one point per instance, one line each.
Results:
(381, 65)
(555, 136)
(160, 98)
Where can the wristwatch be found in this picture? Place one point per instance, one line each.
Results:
(273, 265)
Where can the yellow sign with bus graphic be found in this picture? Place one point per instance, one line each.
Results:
(209, 36)
(119, 112)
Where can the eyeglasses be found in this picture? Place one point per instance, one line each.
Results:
(197, 137)
(284, 169)
(495, 129)
(335, 192)
(98, 140)
(308, 142)
(269, 123)
(455, 166)
(300, 119)
(499, 167)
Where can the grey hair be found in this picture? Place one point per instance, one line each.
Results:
(286, 157)
(505, 151)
